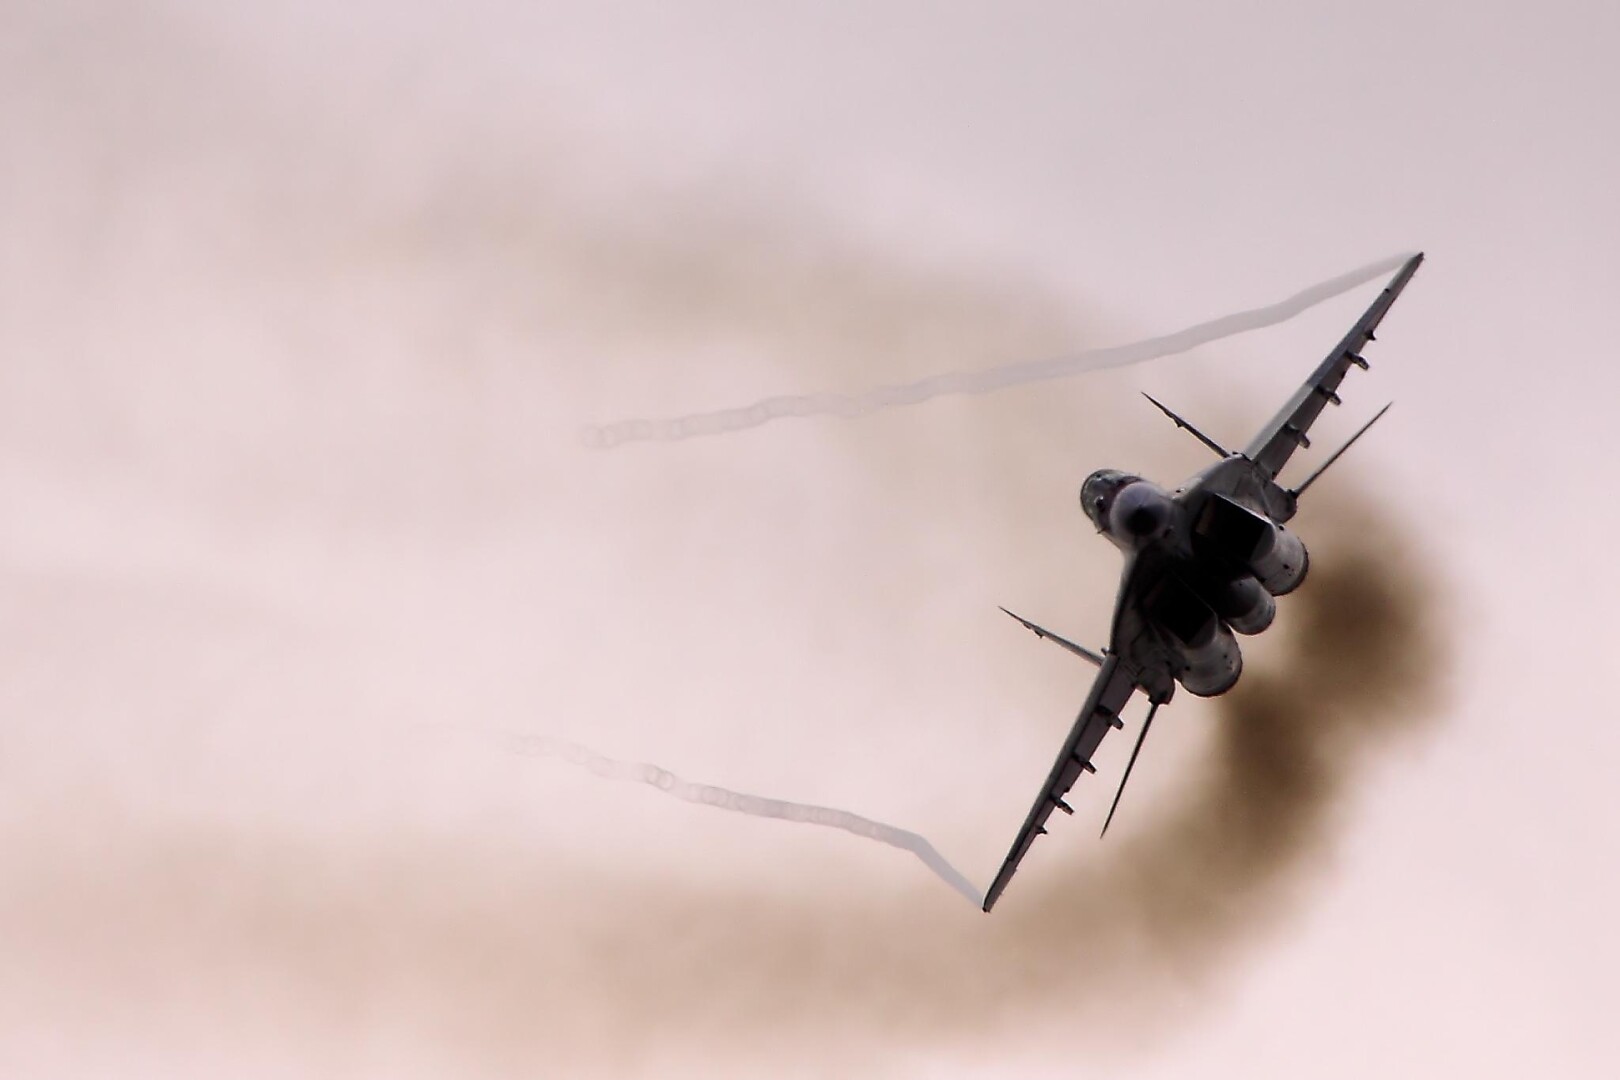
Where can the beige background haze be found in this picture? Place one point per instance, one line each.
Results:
(302, 310)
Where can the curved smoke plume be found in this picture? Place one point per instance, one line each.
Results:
(720, 421)
(536, 962)
(1359, 669)
(258, 376)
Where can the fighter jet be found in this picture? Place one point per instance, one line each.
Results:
(1203, 563)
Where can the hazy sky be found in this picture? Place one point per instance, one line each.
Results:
(302, 311)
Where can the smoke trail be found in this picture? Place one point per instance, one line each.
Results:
(720, 421)
(1091, 929)
(532, 959)
(741, 803)
(151, 912)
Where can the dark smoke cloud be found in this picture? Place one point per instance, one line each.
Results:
(163, 932)
(537, 961)
(1228, 859)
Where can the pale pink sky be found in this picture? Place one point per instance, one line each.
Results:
(301, 311)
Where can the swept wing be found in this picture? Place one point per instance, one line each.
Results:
(1277, 441)
(1098, 716)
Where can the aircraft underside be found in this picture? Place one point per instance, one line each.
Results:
(1203, 564)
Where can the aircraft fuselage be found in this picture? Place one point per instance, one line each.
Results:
(1213, 558)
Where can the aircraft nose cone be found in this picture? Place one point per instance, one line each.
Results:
(1141, 521)
(1141, 511)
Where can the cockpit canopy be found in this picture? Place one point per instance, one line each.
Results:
(1097, 493)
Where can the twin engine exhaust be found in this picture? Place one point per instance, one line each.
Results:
(1274, 556)
(1203, 616)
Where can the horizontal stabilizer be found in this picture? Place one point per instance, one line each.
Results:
(1042, 632)
(1135, 750)
(1311, 479)
(1220, 451)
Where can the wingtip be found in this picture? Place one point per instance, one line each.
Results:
(1021, 621)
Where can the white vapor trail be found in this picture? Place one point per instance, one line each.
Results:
(738, 802)
(719, 421)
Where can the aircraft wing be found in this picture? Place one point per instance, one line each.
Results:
(1108, 696)
(1277, 441)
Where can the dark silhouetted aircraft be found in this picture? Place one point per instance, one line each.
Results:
(1203, 563)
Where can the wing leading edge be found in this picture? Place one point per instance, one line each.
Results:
(1277, 441)
(1098, 715)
